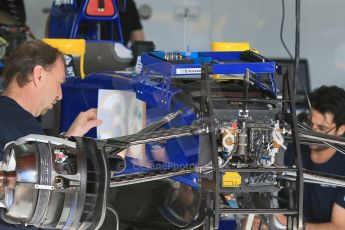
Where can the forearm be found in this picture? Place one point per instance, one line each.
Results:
(322, 226)
(137, 35)
(311, 226)
(336, 222)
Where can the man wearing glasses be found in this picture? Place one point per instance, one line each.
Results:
(324, 206)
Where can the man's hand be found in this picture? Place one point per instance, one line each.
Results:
(253, 223)
(258, 224)
(83, 123)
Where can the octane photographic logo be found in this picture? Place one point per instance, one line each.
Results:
(169, 166)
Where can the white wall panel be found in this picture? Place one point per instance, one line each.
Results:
(255, 21)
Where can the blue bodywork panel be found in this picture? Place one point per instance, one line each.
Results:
(229, 63)
(80, 95)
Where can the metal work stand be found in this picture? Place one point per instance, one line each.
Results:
(211, 184)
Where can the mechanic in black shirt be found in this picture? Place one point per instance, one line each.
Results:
(33, 76)
(13, 28)
(132, 30)
(13, 11)
(131, 27)
(324, 206)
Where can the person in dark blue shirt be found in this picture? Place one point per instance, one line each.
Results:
(324, 206)
(33, 76)
(15, 122)
(321, 200)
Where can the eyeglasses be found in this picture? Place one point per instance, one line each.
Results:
(321, 128)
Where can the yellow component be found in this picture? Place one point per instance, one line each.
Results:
(70, 46)
(230, 46)
(231, 179)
